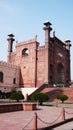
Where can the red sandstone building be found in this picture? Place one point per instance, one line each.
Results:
(48, 64)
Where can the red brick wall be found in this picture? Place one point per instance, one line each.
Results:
(61, 55)
(10, 72)
(52, 92)
(40, 66)
(27, 63)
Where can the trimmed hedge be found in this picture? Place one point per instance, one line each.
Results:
(62, 97)
(41, 97)
(16, 96)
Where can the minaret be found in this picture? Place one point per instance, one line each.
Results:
(47, 29)
(10, 46)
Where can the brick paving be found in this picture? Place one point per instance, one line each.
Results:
(24, 119)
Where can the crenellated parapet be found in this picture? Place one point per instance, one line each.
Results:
(3, 63)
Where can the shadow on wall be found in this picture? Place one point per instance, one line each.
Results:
(52, 93)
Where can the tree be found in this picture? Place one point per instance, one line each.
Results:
(62, 97)
(41, 97)
(16, 96)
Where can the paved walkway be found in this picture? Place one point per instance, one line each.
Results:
(66, 126)
(24, 119)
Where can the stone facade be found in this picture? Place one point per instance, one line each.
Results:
(48, 64)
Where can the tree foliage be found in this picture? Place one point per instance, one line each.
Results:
(62, 97)
(41, 97)
(16, 96)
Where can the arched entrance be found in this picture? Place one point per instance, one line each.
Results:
(60, 73)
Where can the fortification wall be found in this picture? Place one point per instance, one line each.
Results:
(11, 75)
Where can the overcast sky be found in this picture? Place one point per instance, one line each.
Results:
(25, 18)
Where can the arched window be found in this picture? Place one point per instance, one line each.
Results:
(60, 73)
(25, 51)
(1, 76)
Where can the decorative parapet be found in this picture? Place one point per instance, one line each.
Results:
(26, 42)
(3, 63)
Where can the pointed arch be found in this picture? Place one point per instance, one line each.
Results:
(51, 68)
(60, 73)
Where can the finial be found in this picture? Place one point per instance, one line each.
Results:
(53, 33)
(36, 37)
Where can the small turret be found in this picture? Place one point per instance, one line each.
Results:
(47, 29)
(68, 44)
(10, 45)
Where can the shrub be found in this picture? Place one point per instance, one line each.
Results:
(16, 96)
(0, 94)
(3, 95)
(8, 94)
(41, 97)
(62, 97)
